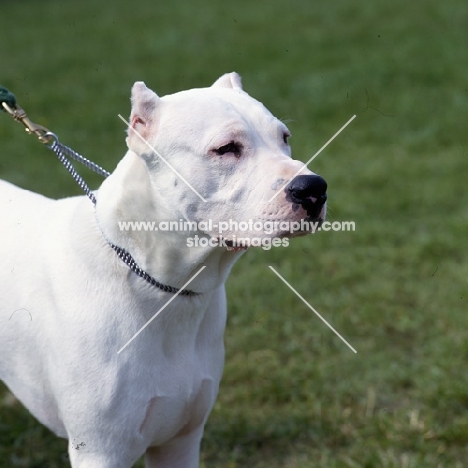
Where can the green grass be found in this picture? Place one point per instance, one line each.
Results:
(293, 395)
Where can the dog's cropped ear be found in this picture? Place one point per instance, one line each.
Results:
(229, 80)
(143, 116)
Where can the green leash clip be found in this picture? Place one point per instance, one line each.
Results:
(8, 98)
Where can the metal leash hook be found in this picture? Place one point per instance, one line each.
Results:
(19, 114)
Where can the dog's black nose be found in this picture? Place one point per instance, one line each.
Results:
(309, 191)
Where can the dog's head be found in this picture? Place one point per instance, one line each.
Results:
(216, 154)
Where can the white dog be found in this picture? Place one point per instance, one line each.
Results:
(69, 304)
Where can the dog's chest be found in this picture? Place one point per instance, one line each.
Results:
(177, 415)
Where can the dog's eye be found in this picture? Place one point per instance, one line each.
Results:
(286, 137)
(233, 147)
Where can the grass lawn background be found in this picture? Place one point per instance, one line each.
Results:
(293, 395)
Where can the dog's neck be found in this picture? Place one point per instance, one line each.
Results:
(127, 196)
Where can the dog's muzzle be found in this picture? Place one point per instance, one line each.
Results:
(308, 191)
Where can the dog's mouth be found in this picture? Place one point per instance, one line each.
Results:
(243, 241)
(231, 245)
(237, 243)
